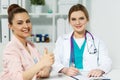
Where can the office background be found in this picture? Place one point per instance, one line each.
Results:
(105, 23)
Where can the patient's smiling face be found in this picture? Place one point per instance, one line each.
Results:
(21, 25)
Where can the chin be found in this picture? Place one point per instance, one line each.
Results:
(27, 36)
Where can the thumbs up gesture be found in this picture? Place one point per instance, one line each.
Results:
(45, 51)
(48, 58)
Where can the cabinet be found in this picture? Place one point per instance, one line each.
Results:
(46, 22)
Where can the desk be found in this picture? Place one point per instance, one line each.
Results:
(113, 75)
(57, 76)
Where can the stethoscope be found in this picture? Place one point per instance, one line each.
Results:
(91, 49)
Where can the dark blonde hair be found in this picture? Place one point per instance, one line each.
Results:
(78, 7)
(14, 9)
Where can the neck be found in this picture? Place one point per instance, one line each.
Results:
(79, 34)
(22, 40)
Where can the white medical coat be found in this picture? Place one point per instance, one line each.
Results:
(99, 60)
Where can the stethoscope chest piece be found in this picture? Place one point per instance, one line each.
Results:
(91, 47)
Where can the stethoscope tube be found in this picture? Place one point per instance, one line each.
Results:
(95, 49)
(72, 60)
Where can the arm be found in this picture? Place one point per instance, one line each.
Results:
(71, 71)
(104, 62)
(57, 66)
(46, 61)
(104, 59)
(59, 59)
(45, 72)
(13, 68)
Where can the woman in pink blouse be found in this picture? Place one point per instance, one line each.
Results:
(21, 60)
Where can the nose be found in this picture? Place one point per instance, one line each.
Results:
(77, 22)
(26, 25)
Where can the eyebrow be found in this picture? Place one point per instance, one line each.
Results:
(23, 20)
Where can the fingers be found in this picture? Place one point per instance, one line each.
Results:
(95, 73)
(45, 51)
(49, 56)
(43, 74)
(52, 58)
(72, 71)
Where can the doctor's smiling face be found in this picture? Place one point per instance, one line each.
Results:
(78, 18)
(78, 21)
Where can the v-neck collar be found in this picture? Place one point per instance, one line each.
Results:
(76, 45)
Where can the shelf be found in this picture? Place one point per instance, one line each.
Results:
(3, 15)
(59, 14)
(41, 14)
(46, 22)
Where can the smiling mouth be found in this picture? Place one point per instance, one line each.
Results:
(78, 27)
(25, 30)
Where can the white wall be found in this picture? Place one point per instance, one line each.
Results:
(105, 22)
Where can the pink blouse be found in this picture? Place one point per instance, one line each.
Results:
(16, 59)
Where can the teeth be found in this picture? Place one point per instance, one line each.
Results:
(25, 30)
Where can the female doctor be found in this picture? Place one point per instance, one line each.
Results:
(80, 50)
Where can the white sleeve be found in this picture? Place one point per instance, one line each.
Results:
(57, 66)
(104, 59)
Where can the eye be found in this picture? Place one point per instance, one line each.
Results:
(73, 19)
(81, 18)
(28, 21)
(19, 23)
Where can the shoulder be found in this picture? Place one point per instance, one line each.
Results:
(11, 51)
(97, 39)
(65, 36)
(12, 45)
(91, 35)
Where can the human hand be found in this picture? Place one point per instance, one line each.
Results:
(44, 73)
(95, 73)
(47, 59)
(71, 71)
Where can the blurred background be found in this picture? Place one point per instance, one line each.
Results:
(52, 22)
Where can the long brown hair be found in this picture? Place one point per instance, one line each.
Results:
(78, 7)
